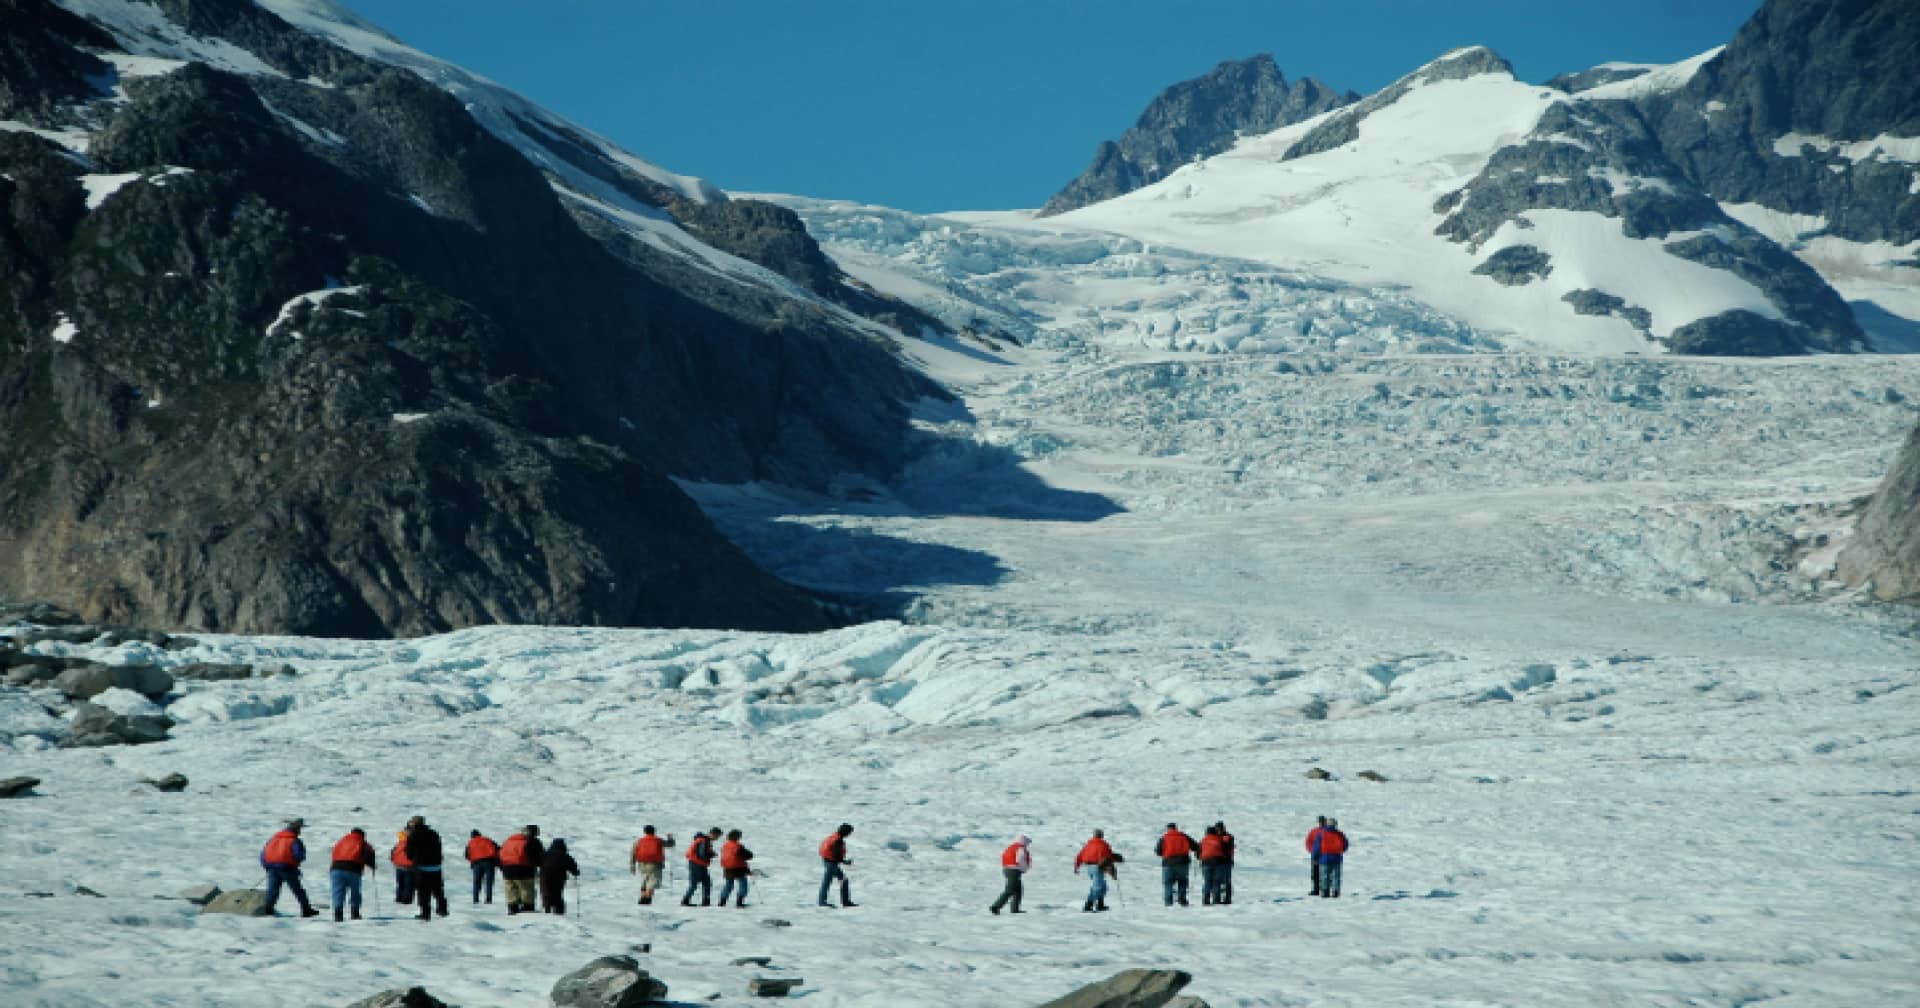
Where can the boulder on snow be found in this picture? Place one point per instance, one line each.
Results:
(1372, 776)
(200, 895)
(401, 997)
(31, 674)
(1134, 988)
(770, 987)
(74, 633)
(1187, 1001)
(244, 902)
(212, 671)
(14, 787)
(88, 681)
(94, 725)
(1318, 774)
(607, 982)
(170, 783)
(40, 613)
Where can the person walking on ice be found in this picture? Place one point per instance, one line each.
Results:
(520, 859)
(429, 882)
(554, 869)
(1100, 861)
(1213, 867)
(483, 856)
(1175, 850)
(649, 860)
(1223, 892)
(1014, 863)
(282, 858)
(735, 867)
(699, 857)
(351, 855)
(1330, 850)
(833, 854)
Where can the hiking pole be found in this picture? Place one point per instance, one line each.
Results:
(376, 891)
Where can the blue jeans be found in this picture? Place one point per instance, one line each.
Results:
(1173, 881)
(726, 891)
(826, 883)
(1213, 881)
(283, 875)
(402, 884)
(698, 878)
(1098, 892)
(483, 875)
(346, 886)
(1330, 877)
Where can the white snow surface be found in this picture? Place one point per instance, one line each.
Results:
(1575, 610)
(1659, 78)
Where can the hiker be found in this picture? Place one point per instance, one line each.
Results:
(520, 859)
(1014, 862)
(483, 856)
(734, 867)
(429, 882)
(833, 854)
(1213, 866)
(1176, 864)
(699, 856)
(554, 869)
(403, 876)
(1313, 853)
(648, 861)
(1223, 890)
(1101, 861)
(281, 858)
(351, 855)
(1330, 851)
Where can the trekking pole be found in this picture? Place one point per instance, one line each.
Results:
(376, 892)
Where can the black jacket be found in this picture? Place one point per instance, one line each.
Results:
(423, 847)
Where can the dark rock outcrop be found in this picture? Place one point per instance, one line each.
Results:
(1134, 988)
(88, 681)
(1196, 119)
(1592, 301)
(171, 783)
(1885, 551)
(14, 787)
(94, 726)
(243, 902)
(1516, 265)
(607, 982)
(1584, 80)
(401, 997)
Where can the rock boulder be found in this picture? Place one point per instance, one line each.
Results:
(607, 982)
(401, 997)
(244, 902)
(14, 787)
(94, 725)
(1134, 988)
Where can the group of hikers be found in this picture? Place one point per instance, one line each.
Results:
(529, 867)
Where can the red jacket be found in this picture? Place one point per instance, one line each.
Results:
(283, 851)
(1213, 847)
(649, 850)
(1333, 843)
(480, 849)
(734, 856)
(521, 851)
(1097, 852)
(834, 849)
(399, 854)
(700, 851)
(1313, 839)
(1173, 844)
(353, 849)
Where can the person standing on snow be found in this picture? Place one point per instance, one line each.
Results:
(282, 858)
(1100, 861)
(1224, 891)
(1313, 853)
(429, 883)
(699, 856)
(1216, 865)
(483, 856)
(352, 855)
(1330, 851)
(649, 860)
(833, 854)
(735, 867)
(403, 877)
(1014, 862)
(554, 869)
(520, 859)
(1175, 850)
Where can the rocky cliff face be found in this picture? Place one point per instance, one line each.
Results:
(1885, 551)
(307, 349)
(1197, 119)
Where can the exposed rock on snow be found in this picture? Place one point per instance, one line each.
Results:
(607, 982)
(408, 997)
(94, 725)
(1516, 265)
(773, 987)
(87, 681)
(1134, 988)
(14, 787)
(1885, 551)
(170, 783)
(243, 902)
(200, 895)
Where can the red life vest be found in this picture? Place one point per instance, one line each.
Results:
(1314, 834)
(700, 852)
(514, 854)
(734, 856)
(353, 849)
(480, 848)
(1010, 858)
(1213, 847)
(833, 848)
(399, 854)
(1333, 842)
(649, 850)
(280, 849)
(1096, 852)
(1175, 844)
(1226, 846)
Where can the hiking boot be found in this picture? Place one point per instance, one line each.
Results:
(646, 901)
(1088, 908)
(1183, 901)
(336, 916)
(356, 915)
(309, 912)
(994, 909)
(848, 903)
(686, 901)
(1100, 904)
(1016, 910)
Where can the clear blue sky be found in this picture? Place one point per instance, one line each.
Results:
(971, 104)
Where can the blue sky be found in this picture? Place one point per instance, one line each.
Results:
(971, 104)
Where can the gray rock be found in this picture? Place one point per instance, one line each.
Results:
(1318, 774)
(1187, 1001)
(762, 961)
(770, 987)
(244, 902)
(1737, 333)
(77, 633)
(401, 997)
(1593, 301)
(84, 891)
(89, 681)
(1369, 775)
(1134, 988)
(181, 643)
(1885, 550)
(1516, 265)
(15, 787)
(200, 895)
(607, 982)
(170, 783)
(94, 726)
(30, 674)
(212, 671)
(37, 613)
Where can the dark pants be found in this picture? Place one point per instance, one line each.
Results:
(1173, 880)
(289, 876)
(403, 883)
(734, 879)
(826, 883)
(1313, 868)
(1213, 881)
(698, 877)
(483, 876)
(553, 892)
(1011, 892)
(346, 892)
(1330, 877)
(430, 888)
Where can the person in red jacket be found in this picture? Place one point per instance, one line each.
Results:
(1213, 861)
(351, 856)
(735, 867)
(403, 876)
(649, 860)
(1224, 892)
(520, 859)
(700, 855)
(1100, 861)
(833, 854)
(1313, 853)
(1014, 863)
(1175, 850)
(281, 858)
(1330, 849)
(483, 857)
